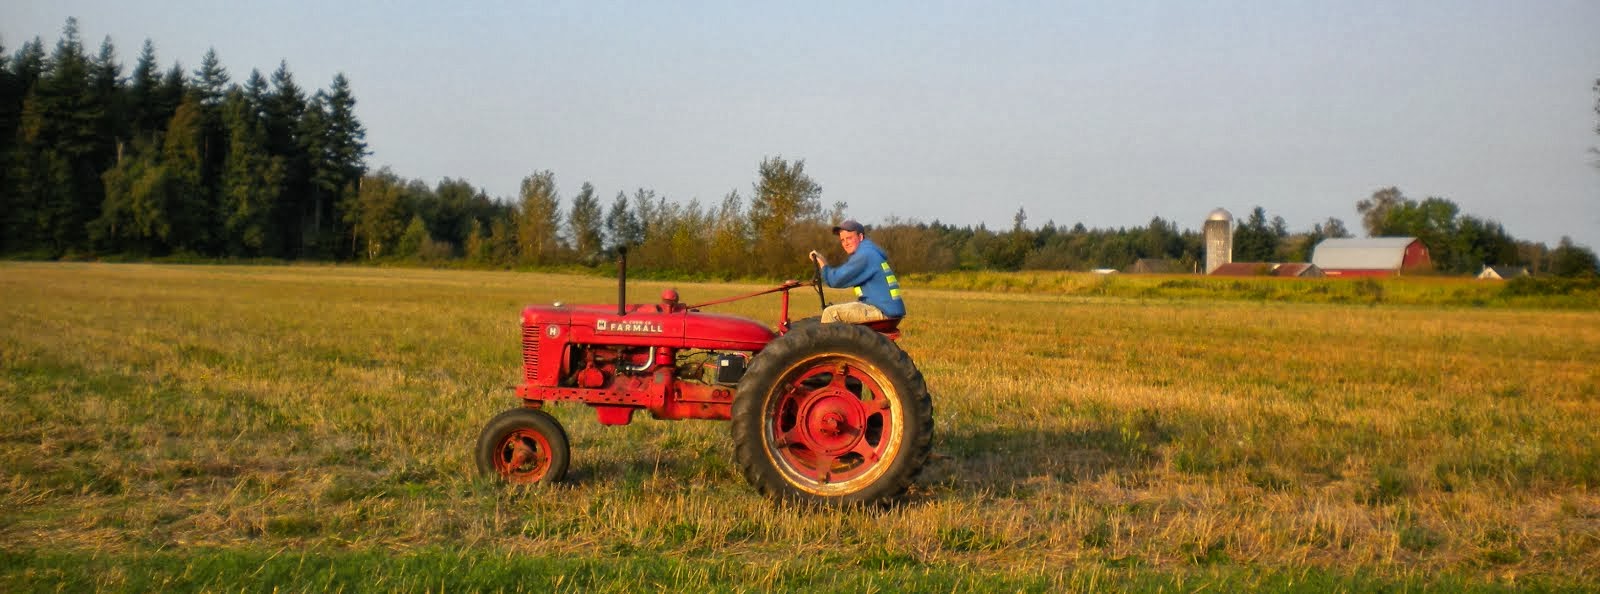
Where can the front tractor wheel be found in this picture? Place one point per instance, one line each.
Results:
(523, 446)
(833, 414)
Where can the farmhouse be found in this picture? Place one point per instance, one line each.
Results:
(1502, 272)
(1377, 256)
(1285, 270)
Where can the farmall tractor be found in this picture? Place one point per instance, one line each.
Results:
(834, 414)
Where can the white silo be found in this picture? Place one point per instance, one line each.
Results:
(1219, 239)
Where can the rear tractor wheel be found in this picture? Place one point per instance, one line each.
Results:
(833, 414)
(523, 446)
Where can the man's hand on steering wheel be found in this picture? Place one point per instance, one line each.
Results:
(816, 276)
(818, 259)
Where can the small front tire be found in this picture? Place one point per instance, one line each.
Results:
(523, 446)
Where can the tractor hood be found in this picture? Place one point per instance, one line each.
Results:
(650, 325)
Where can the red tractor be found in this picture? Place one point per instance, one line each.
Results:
(835, 414)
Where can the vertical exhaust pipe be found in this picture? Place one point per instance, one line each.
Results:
(622, 280)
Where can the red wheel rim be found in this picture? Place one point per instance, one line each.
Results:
(834, 425)
(523, 456)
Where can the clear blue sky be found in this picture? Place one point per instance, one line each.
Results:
(1105, 113)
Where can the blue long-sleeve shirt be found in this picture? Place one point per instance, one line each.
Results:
(868, 272)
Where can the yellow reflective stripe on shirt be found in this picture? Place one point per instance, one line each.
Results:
(891, 279)
(885, 266)
(858, 291)
(895, 293)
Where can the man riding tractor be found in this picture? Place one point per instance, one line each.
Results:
(867, 271)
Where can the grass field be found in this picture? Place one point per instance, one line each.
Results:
(212, 428)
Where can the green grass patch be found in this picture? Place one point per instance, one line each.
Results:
(504, 571)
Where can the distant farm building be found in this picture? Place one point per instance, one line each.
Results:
(1284, 270)
(1377, 256)
(1156, 266)
(1502, 272)
(1298, 270)
(1219, 239)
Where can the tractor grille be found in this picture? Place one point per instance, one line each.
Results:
(530, 353)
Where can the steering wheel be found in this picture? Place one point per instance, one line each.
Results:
(816, 280)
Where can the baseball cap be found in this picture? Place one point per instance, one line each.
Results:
(849, 225)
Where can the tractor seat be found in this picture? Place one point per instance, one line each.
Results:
(889, 327)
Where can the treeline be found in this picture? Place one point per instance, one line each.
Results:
(172, 163)
(156, 163)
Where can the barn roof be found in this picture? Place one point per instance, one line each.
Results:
(1296, 269)
(1503, 272)
(1374, 253)
(1287, 269)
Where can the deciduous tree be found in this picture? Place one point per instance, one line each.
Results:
(1375, 210)
(1572, 260)
(378, 216)
(539, 219)
(782, 204)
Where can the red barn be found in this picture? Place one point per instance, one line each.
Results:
(1376, 256)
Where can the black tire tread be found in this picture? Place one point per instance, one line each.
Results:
(519, 418)
(749, 408)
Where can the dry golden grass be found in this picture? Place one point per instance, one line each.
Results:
(198, 408)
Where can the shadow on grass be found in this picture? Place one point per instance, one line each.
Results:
(963, 462)
(1012, 461)
(678, 466)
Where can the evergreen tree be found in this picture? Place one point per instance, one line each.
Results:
(1255, 240)
(211, 80)
(586, 222)
(345, 146)
(32, 180)
(334, 143)
(10, 106)
(251, 180)
(1161, 239)
(17, 213)
(170, 94)
(109, 93)
(622, 225)
(323, 179)
(210, 88)
(145, 113)
(60, 151)
(286, 107)
(347, 138)
(256, 92)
